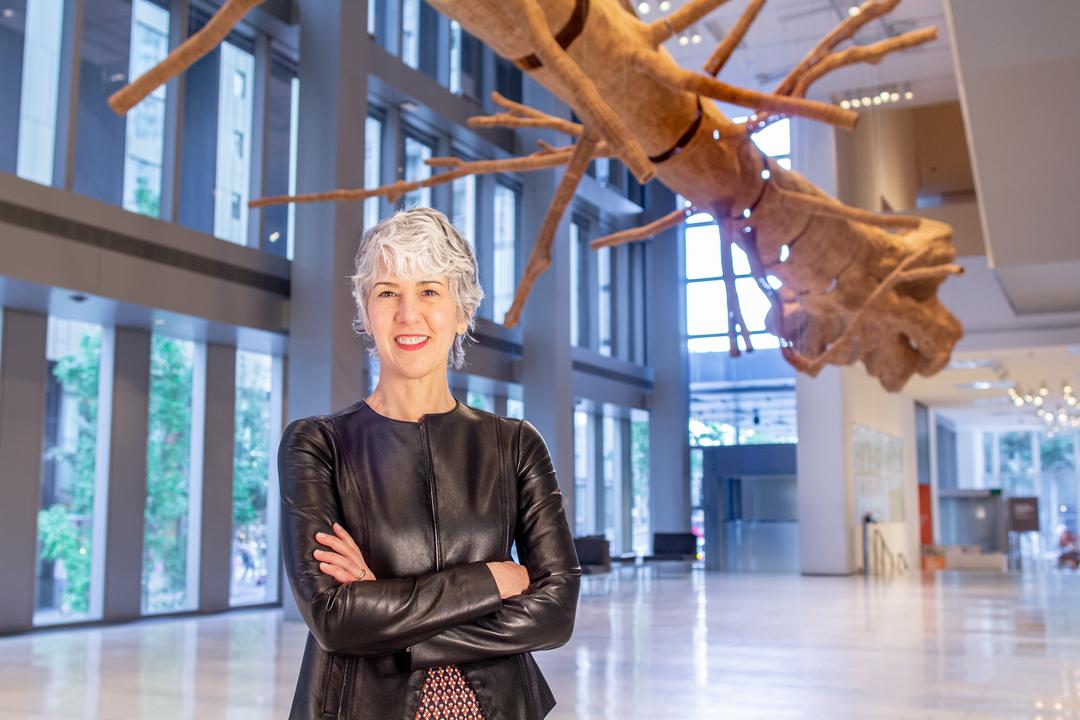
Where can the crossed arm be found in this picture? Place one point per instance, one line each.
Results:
(458, 614)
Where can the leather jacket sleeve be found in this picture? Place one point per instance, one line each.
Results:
(542, 617)
(371, 617)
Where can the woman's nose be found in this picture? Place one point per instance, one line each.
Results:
(408, 308)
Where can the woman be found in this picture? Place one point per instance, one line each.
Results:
(399, 511)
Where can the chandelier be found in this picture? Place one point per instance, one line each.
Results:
(1057, 413)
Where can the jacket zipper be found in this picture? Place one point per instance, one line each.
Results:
(431, 492)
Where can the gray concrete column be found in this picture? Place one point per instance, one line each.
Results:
(824, 493)
(669, 415)
(124, 401)
(22, 421)
(327, 363)
(546, 369)
(213, 435)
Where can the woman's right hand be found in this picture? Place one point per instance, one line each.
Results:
(512, 578)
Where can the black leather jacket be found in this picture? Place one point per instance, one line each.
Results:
(429, 504)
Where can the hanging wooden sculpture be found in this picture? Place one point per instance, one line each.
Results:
(849, 284)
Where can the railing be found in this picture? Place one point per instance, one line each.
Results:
(884, 560)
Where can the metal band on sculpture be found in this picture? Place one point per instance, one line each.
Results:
(564, 37)
(683, 140)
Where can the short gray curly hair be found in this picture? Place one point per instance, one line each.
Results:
(418, 244)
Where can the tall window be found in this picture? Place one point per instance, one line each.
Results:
(30, 34)
(604, 258)
(706, 298)
(416, 153)
(455, 56)
(575, 279)
(105, 67)
(580, 302)
(254, 545)
(639, 481)
(515, 408)
(410, 32)
(167, 576)
(372, 163)
(611, 476)
(145, 145)
(464, 209)
(279, 178)
(67, 574)
(466, 60)
(504, 255)
(584, 478)
(235, 112)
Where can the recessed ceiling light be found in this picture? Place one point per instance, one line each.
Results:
(985, 385)
(957, 364)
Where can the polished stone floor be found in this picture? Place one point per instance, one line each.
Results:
(673, 645)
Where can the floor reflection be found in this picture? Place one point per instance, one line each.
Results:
(672, 644)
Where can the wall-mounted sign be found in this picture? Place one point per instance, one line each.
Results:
(1024, 514)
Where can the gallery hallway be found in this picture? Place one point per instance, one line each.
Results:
(690, 645)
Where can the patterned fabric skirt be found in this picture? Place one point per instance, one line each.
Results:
(447, 696)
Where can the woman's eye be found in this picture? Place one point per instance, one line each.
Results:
(433, 292)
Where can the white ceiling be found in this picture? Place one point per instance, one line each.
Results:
(1019, 70)
(953, 390)
(785, 30)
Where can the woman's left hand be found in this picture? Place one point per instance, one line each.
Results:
(344, 562)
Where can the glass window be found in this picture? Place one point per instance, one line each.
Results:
(30, 37)
(466, 61)
(515, 408)
(167, 576)
(504, 250)
(508, 79)
(106, 66)
(410, 33)
(611, 477)
(697, 512)
(706, 307)
(280, 177)
(775, 140)
(372, 163)
(703, 246)
(455, 56)
(1016, 463)
(604, 259)
(583, 478)
(480, 400)
(464, 210)
(416, 152)
(145, 147)
(1057, 466)
(235, 110)
(703, 251)
(67, 575)
(575, 279)
(254, 540)
(639, 481)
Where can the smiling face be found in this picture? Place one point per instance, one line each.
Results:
(413, 323)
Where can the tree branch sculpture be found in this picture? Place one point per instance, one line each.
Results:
(844, 284)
